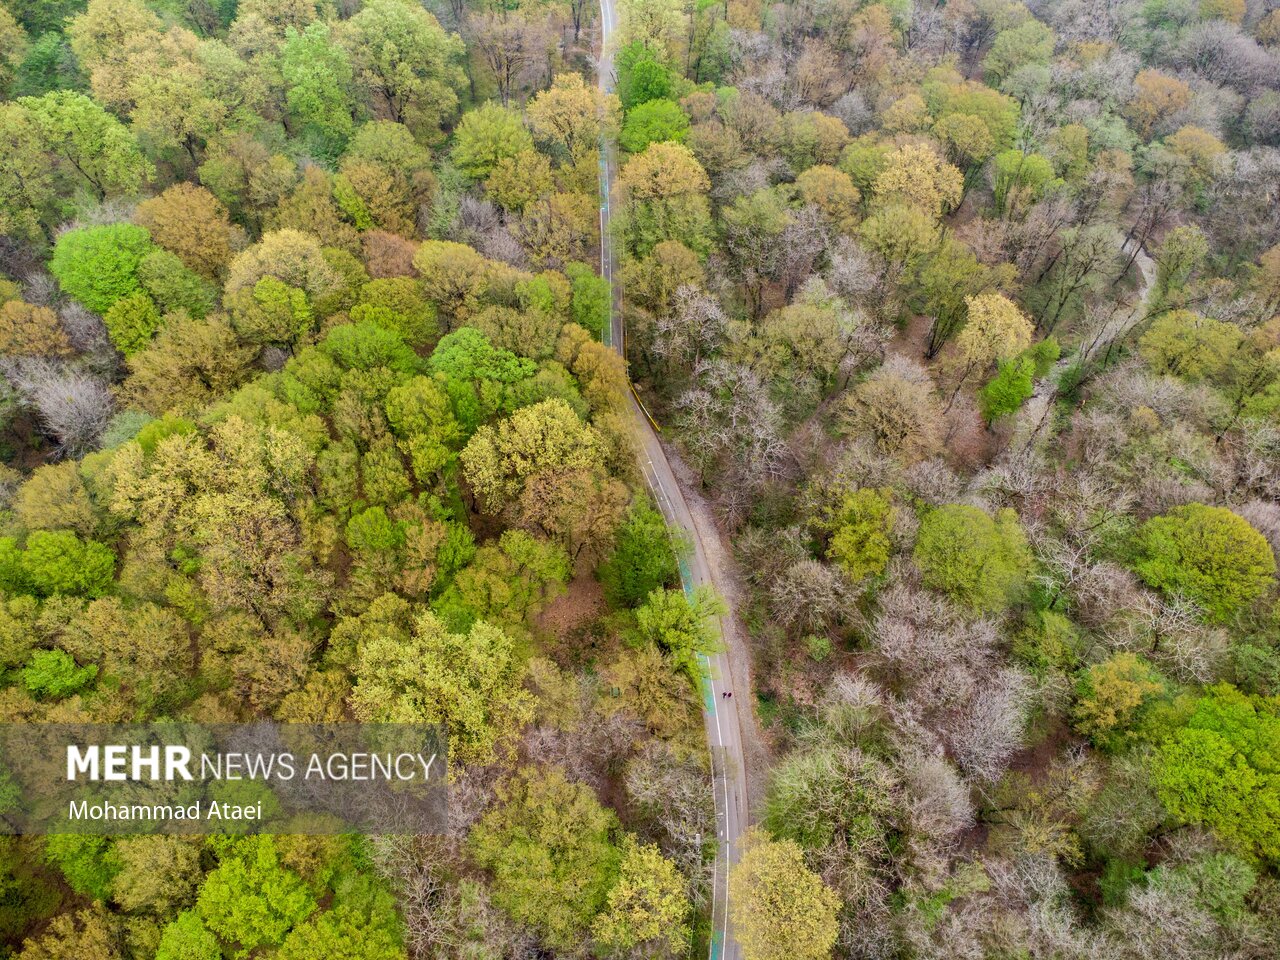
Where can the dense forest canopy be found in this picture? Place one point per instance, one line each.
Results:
(960, 321)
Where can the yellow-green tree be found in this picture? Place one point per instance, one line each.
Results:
(781, 910)
(995, 329)
(499, 460)
(646, 909)
(916, 176)
(469, 682)
(571, 114)
(1110, 694)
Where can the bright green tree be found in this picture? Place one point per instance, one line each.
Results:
(592, 299)
(99, 265)
(979, 561)
(187, 938)
(57, 561)
(250, 899)
(651, 122)
(641, 76)
(1222, 769)
(53, 674)
(1004, 393)
(1207, 554)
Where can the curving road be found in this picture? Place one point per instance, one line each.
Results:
(724, 736)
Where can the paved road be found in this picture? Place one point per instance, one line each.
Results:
(724, 737)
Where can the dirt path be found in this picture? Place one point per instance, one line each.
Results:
(1034, 419)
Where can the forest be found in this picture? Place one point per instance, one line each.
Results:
(960, 322)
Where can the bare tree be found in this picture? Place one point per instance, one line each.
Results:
(73, 407)
(811, 597)
(515, 48)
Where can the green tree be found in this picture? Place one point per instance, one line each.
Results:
(487, 135)
(592, 301)
(641, 76)
(90, 146)
(476, 375)
(979, 561)
(1221, 770)
(366, 346)
(1030, 42)
(507, 582)
(250, 899)
(664, 192)
(53, 674)
(57, 561)
(780, 909)
(343, 934)
(651, 122)
(1209, 555)
(131, 322)
(406, 63)
(681, 626)
(99, 265)
(89, 863)
(861, 530)
(318, 77)
(1004, 393)
(187, 938)
(173, 287)
(470, 682)
(424, 425)
(1020, 178)
(547, 845)
(30, 204)
(643, 558)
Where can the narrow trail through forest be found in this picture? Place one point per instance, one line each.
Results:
(1035, 417)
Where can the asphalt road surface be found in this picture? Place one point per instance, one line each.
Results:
(724, 738)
